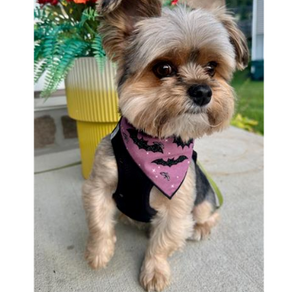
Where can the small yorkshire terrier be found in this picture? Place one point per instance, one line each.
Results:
(173, 71)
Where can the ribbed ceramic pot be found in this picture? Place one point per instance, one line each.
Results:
(92, 101)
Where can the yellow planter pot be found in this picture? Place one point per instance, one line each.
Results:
(93, 102)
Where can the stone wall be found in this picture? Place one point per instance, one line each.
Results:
(54, 131)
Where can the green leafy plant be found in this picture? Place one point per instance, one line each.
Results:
(244, 123)
(64, 30)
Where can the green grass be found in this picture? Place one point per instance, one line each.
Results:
(250, 99)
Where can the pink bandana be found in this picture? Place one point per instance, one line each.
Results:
(164, 161)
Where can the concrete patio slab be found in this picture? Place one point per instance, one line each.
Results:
(230, 260)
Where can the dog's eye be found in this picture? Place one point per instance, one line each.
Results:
(164, 69)
(210, 68)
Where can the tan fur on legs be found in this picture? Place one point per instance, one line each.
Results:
(205, 219)
(100, 207)
(170, 228)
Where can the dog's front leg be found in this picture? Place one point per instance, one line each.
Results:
(170, 228)
(100, 207)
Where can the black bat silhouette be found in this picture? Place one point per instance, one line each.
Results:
(171, 161)
(165, 175)
(143, 144)
(179, 142)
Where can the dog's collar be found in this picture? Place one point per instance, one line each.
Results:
(164, 161)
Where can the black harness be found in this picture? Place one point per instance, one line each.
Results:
(134, 187)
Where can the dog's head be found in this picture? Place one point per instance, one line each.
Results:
(174, 65)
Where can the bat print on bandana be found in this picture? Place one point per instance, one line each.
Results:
(143, 144)
(171, 161)
(178, 141)
(163, 161)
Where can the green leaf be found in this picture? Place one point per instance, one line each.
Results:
(98, 51)
(244, 123)
(63, 33)
(39, 69)
(60, 67)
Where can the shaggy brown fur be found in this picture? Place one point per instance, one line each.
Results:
(137, 35)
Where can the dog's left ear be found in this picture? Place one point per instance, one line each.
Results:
(237, 38)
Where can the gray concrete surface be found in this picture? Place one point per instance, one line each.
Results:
(230, 260)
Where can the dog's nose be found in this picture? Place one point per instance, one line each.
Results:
(200, 94)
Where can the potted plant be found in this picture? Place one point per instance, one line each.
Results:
(68, 47)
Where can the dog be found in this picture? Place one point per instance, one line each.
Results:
(174, 66)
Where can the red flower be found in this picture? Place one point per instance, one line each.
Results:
(82, 1)
(174, 2)
(44, 2)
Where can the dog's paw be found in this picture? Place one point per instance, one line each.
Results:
(99, 255)
(154, 279)
(200, 232)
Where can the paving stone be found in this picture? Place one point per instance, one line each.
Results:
(44, 131)
(69, 127)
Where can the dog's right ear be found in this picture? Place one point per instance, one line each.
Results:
(117, 20)
(237, 38)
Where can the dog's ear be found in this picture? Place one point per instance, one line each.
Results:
(117, 20)
(237, 38)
